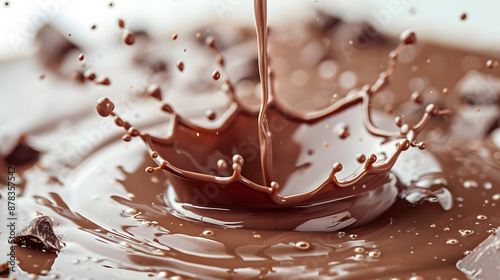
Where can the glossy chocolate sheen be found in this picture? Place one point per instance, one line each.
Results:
(433, 206)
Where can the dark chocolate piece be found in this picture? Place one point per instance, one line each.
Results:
(484, 261)
(22, 154)
(39, 234)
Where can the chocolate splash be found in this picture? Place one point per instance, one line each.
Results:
(245, 186)
(282, 113)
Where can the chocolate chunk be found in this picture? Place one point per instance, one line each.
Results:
(483, 262)
(4, 268)
(477, 88)
(22, 154)
(53, 46)
(475, 122)
(39, 234)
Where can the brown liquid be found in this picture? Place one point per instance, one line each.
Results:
(118, 221)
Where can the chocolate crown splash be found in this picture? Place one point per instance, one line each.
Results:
(247, 189)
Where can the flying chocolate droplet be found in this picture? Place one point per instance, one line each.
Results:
(104, 107)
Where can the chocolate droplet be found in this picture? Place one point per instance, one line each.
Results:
(238, 159)
(408, 37)
(208, 232)
(343, 132)
(119, 122)
(302, 245)
(491, 64)
(219, 59)
(398, 121)
(216, 75)
(81, 57)
(180, 65)
(210, 41)
(432, 110)
(361, 158)
(417, 97)
(103, 81)
(421, 145)
(126, 138)
(89, 75)
(121, 23)
(154, 91)
(211, 115)
(104, 107)
(128, 37)
(337, 167)
(174, 37)
(221, 164)
(167, 108)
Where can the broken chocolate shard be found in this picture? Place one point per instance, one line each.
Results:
(484, 261)
(22, 154)
(39, 234)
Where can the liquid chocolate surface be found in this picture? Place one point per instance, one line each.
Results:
(426, 208)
